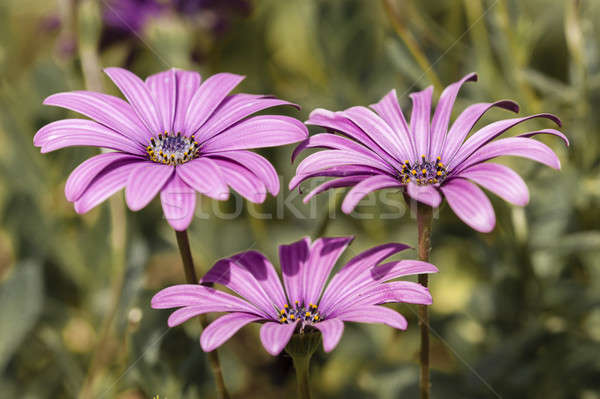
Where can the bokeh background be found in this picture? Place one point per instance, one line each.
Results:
(516, 312)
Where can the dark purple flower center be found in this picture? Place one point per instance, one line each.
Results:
(307, 315)
(172, 149)
(423, 172)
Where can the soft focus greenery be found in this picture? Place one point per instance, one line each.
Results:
(515, 312)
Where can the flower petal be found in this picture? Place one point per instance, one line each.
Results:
(258, 165)
(324, 254)
(231, 273)
(354, 268)
(324, 160)
(335, 171)
(233, 109)
(82, 176)
(145, 181)
(374, 314)
(334, 142)
(381, 133)
(207, 98)
(110, 111)
(205, 176)
(365, 187)
(242, 180)
(112, 179)
(428, 195)
(389, 109)
(293, 259)
(488, 133)
(187, 85)
(138, 95)
(196, 294)
(258, 132)
(163, 87)
(332, 330)
(82, 132)
(224, 328)
(470, 204)
(395, 291)
(419, 119)
(514, 146)
(178, 202)
(465, 122)
(335, 183)
(499, 179)
(441, 116)
(552, 132)
(275, 336)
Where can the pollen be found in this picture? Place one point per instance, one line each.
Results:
(172, 149)
(423, 171)
(299, 313)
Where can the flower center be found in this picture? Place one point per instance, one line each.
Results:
(172, 149)
(305, 314)
(423, 172)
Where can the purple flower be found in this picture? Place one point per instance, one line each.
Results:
(352, 294)
(381, 150)
(174, 136)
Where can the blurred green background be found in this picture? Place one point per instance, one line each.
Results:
(516, 312)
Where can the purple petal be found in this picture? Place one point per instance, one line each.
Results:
(323, 160)
(324, 253)
(163, 87)
(184, 314)
(224, 328)
(205, 176)
(379, 131)
(465, 122)
(138, 95)
(499, 179)
(110, 111)
(389, 109)
(112, 179)
(419, 120)
(488, 133)
(441, 116)
(207, 98)
(82, 176)
(258, 165)
(334, 142)
(332, 330)
(233, 109)
(293, 259)
(82, 132)
(354, 268)
(337, 121)
(335, 183)
(470, 204)
(258, 132)
(187, 85)
(145, 181)
(428, 195)
(336, 171)
(238, 278)
(515, 146)
(178, 202)
(264, 273)
(552, 132)
(374, 314)
(195, 295)
(365, 187)
(275, 336)
(242, 180)
(396, 292)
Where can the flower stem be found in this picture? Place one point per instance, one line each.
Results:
(190, 276)
(424, 220)
(301, 348)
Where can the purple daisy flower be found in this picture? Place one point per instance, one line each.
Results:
(381, 150)
(174, 136)
(353, 294)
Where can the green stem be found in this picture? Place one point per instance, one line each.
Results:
(301, 348)
(301, 365)
(424, 221)
(183, 243)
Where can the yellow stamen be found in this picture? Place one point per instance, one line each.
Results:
(307, 314)
(414, 172)
(424, 171)
(439, 173)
